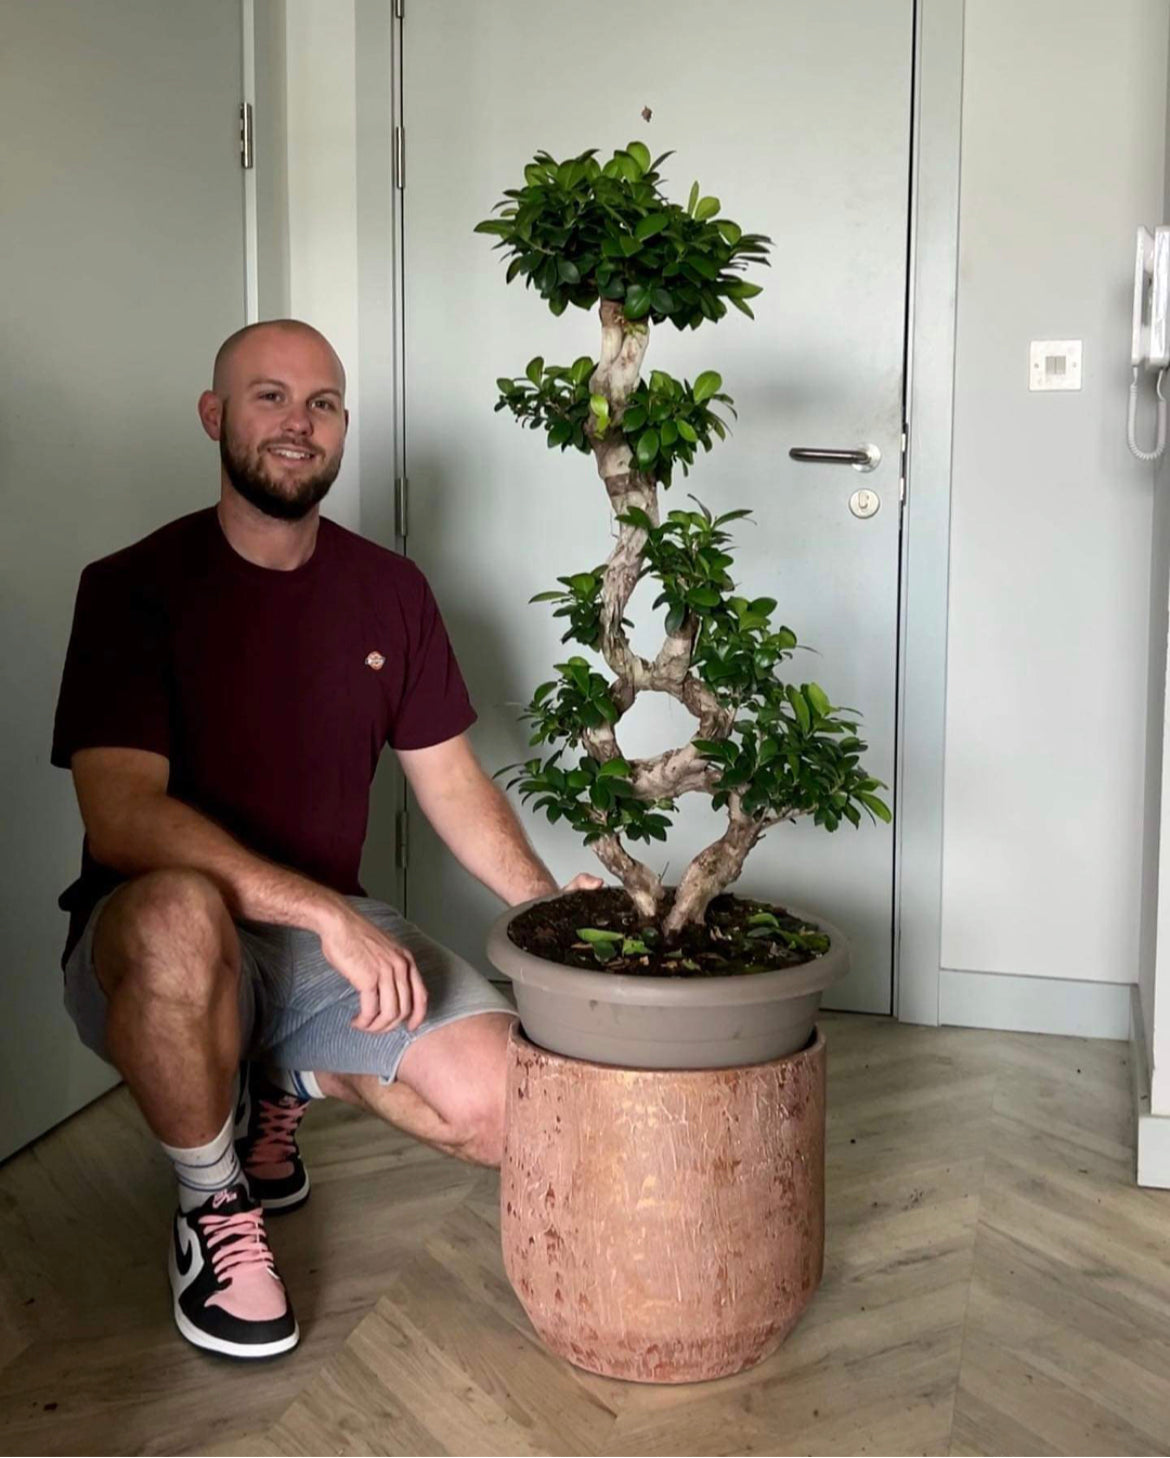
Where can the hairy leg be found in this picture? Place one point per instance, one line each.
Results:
(168, 958)
(449, 1091)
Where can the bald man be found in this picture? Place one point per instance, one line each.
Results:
(229, 685)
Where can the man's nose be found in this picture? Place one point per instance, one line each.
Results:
(298, 420)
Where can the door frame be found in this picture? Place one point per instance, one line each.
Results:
(926, 522)
(932, 279)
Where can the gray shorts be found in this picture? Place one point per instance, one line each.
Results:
(295, 1010)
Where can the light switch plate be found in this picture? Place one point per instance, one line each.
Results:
(1055, 364)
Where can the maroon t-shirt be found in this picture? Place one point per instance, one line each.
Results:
(271, 693)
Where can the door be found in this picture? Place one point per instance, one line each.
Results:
(796, 114)
(123, 271)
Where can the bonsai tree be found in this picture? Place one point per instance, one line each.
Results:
(765, 749)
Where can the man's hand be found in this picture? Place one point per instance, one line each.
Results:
(584, 882)
(382, 970)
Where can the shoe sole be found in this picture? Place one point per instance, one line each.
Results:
(240, 1351)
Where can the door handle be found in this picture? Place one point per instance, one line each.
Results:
(864, 458)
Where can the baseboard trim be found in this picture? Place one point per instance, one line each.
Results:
(1035, 1004)
(1153, 1132)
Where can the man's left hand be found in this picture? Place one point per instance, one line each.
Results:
(584, 882)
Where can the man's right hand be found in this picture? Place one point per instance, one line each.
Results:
(383, 971)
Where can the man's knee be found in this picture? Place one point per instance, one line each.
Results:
(481, 1134)
(171, 931)
(479, 1120)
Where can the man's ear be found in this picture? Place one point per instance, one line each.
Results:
(211, 413)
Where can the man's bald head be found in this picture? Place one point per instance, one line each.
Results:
(277, 408)
(248, 349)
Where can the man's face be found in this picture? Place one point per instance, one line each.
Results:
(282, 423)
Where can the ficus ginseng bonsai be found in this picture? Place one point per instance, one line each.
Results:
(765, 749)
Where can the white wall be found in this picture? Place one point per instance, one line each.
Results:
(1063, 152)
(123, 270)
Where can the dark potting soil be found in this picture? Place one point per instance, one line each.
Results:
(603, 931)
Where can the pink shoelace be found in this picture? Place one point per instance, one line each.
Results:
(236, 1242)
(278, 1126)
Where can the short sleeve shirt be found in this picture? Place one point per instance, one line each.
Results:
(270, 693)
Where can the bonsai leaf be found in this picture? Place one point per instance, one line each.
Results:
(706, 208)
(704, 597)
(796, 699)
(691, 201)
(634, 947)
(595, 935)
(635, 516)
(708, 384)
(536, 369)
(614, 769)
(647, 448)
(879, 807)
(604, 951)
(637, 304)
(650, 225)
(641, 154)
(818, 698)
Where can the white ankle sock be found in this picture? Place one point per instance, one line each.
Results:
(298, 1082)
(208, 1168)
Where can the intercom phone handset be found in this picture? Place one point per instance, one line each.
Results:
(1151, 329)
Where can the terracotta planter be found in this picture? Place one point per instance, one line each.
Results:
(667, 1022)
(663, 1226)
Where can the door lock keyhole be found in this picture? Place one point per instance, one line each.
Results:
(864, 503)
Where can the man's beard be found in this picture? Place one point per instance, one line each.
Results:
(246, 472)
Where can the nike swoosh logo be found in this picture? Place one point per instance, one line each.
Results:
(184, 1253)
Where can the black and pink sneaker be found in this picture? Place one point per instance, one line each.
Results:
(227, 1295)
(267, 1119)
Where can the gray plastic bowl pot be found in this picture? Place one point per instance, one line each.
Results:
(666, 1022)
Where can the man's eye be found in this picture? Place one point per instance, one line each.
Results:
(326, 404)
(270, 395)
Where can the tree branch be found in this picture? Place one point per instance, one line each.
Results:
(714, 868)
(643, 887)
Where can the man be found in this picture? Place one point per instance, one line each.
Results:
(229, 685)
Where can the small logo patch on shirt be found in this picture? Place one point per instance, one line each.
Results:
(374, 661)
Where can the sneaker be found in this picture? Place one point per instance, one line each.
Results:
(227, 1295)
(266, 1141)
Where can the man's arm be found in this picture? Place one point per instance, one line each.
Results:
(474, 818)
(134, 827)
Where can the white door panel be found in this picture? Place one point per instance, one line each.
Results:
(797, 115)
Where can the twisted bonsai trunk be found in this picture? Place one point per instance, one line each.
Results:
(676, 771)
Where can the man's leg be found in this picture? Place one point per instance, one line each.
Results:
(442, 1083)
(168, 958)
(449, 1091)
(166, 955)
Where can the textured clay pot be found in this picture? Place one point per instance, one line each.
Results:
(667, 1022)
(663, 1226)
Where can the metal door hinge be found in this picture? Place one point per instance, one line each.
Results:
(247, 146)
(398, 9)
(399, 158)
(402, 839)
(902, 467)
(401, 506)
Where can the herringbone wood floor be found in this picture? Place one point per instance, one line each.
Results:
(995, 1283)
